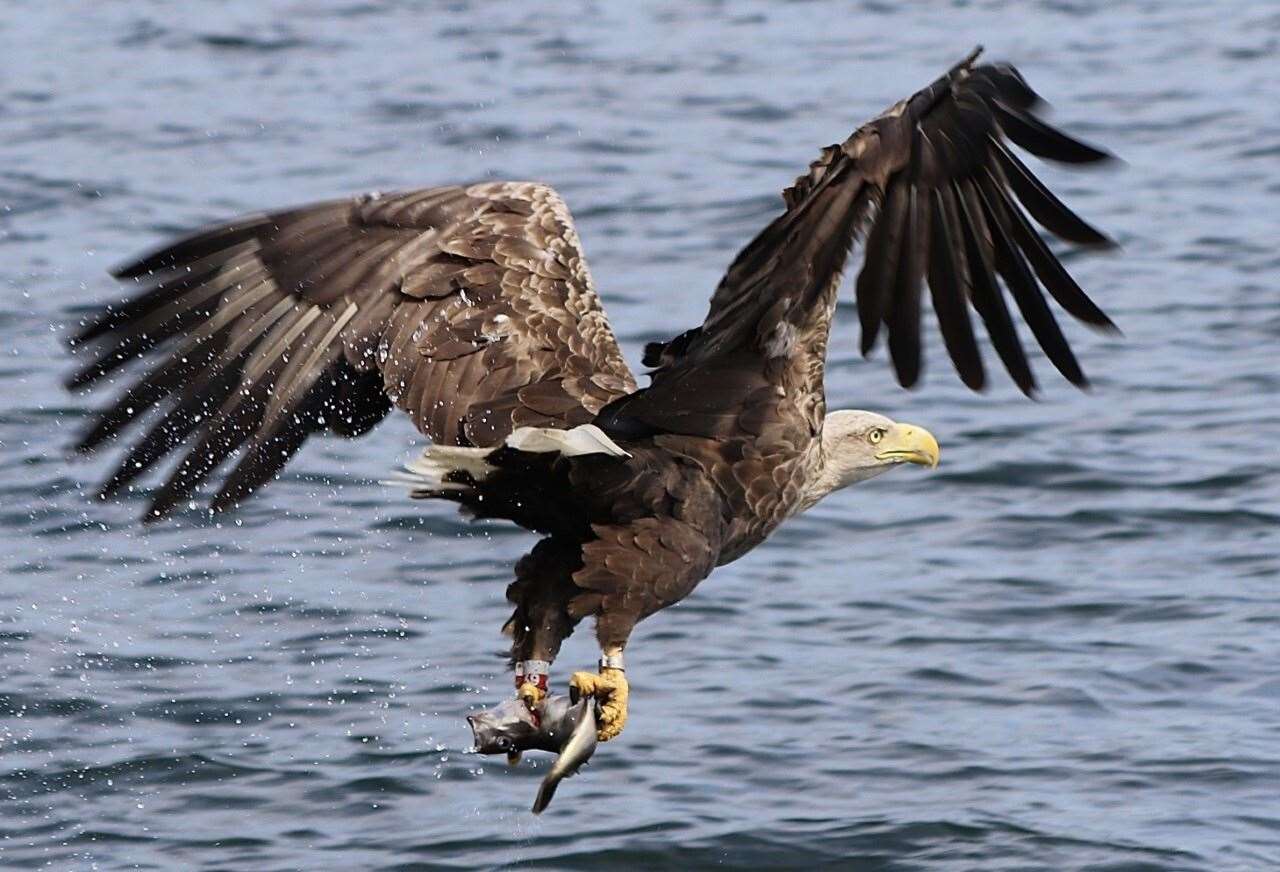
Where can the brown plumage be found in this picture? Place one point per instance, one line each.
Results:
(471, 309)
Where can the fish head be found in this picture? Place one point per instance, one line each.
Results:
(504, 729)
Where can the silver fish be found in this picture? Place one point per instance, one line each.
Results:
(556, 724)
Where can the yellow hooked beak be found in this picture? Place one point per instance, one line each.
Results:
(910, 443)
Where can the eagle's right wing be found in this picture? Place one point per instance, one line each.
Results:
(471, 308)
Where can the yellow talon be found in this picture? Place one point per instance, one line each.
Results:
(610, 689)
(530, 694)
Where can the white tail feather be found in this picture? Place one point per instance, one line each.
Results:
(584, 439)
(426, 475)
(453, 458)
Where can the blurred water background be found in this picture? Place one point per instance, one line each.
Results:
(1059, 651)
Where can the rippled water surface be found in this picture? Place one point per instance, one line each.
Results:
(1061, 650)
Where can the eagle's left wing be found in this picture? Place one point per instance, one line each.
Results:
(946, 201)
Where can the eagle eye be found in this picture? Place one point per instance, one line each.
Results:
(875, 434)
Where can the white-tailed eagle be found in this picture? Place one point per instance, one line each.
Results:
(470, 308)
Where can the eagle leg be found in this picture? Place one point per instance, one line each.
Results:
(531, 689)
(609, 687)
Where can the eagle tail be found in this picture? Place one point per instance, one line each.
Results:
(443, 471)
(453, 471)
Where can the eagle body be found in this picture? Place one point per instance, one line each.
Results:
(471, 309)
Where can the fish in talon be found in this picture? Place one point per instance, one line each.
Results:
(554, 724)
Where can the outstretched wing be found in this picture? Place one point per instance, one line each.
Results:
(469, 307)
(947, 203)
